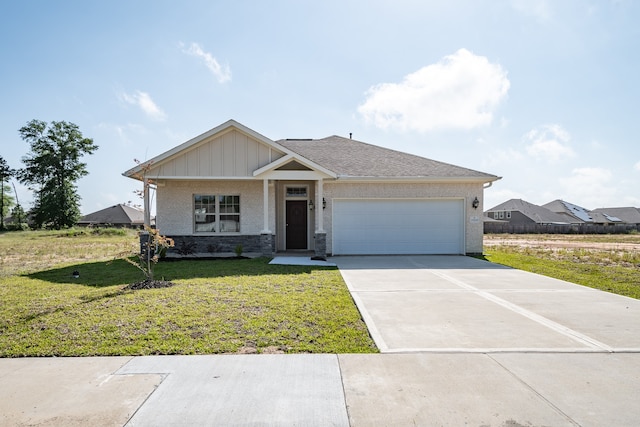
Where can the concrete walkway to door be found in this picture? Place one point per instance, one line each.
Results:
(468, 342)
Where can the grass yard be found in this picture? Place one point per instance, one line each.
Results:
(220, 306)
(607, 262)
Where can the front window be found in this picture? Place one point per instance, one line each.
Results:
(216, 213)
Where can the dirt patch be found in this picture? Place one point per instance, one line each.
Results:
(540, 242)
(265, 350)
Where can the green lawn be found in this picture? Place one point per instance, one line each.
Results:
(220, 306)
(611, 270)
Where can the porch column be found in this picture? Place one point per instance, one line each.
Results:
(147, 208)
(320, 234)
(265, 206)
(319, 209)
(145, 238)
(266, 238)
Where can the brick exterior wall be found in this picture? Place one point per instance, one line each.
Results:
(175, 209)
(174, 205)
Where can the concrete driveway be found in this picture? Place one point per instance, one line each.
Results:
(462, 304)
(467, 342)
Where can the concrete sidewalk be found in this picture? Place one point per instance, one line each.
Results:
(465, 342)
(424, 389)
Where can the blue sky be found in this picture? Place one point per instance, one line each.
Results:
(542, 93)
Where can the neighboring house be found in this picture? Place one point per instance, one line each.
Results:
(334, 195)
(518, 211)
(114, 216)
(582, 215)
(628, 215)
(575, 214)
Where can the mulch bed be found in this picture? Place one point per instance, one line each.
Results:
(149, 284)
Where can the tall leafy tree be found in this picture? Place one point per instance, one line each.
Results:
(6, 201)
(52, 169)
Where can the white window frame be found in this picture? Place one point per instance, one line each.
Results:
(217, 226)
(296, 191)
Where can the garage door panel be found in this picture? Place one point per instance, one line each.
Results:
(398, 227)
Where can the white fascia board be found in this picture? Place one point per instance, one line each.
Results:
(417, 179)
(203, 178)
(293, 175)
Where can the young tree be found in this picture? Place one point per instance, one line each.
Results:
(6, 201)
(52, 168)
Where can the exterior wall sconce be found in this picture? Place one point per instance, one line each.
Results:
(324, 203)
(310, 205)
(475, 203)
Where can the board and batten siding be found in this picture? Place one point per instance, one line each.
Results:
(232, 154)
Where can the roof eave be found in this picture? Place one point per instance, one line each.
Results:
(460, 179)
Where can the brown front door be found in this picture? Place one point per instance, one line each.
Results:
(296, 224)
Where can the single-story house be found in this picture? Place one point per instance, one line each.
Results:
(335, 195)
(575, 214)
(625, 215)
(119, 215)
(582, 215)
(518, 211)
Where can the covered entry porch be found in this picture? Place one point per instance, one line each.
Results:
(299, 205)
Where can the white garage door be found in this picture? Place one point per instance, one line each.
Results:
(398, 226)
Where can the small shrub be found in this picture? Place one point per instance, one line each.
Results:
(153, 248)
(238, 250)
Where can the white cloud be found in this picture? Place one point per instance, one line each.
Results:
(590, 187)
(549, 142)
(145, 103)
(459, 92)
(123, 131)
(637, 166)
(539, 9)
(501, 156)
(221, 73)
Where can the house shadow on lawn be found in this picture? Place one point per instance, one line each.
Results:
(120, 272)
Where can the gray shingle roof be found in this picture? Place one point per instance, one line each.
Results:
(628, 215)
(536, 213)
(117, 214)
(351, 158)
(574, 211)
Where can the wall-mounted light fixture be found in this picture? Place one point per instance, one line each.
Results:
(324, 203)
(310, 205)
(475, 203)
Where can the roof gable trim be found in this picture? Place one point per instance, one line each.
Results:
(193, 142)
(292, 157)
